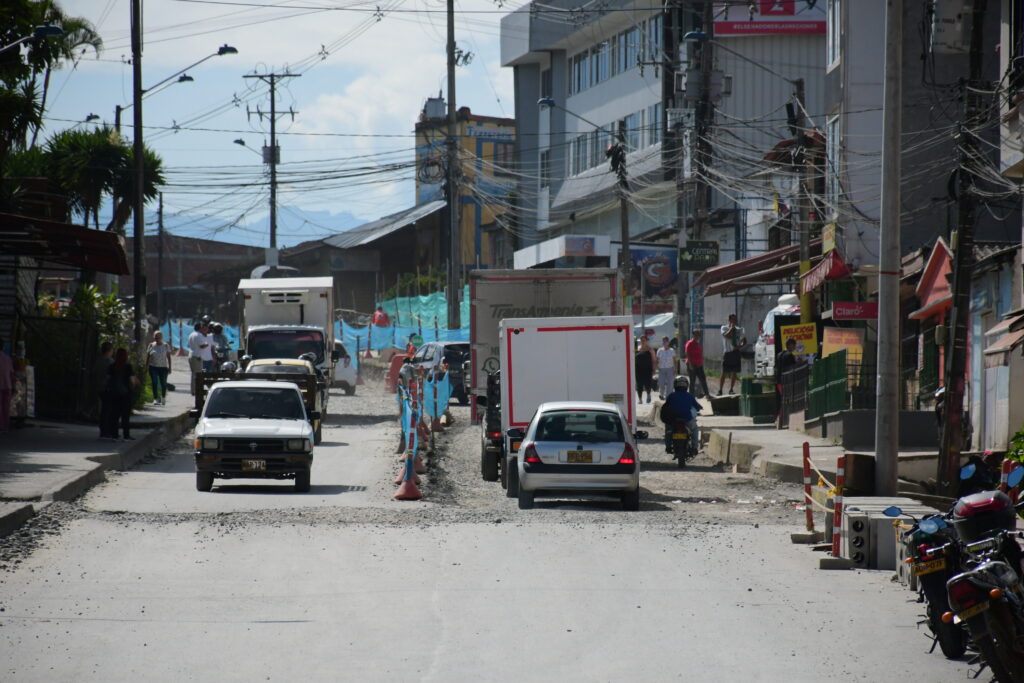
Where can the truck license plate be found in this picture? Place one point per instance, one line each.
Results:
(254, 465)
(922, 568)
(580, 456)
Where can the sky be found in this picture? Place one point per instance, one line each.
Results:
(365, 75)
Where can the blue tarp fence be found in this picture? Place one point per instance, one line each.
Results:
(435, 408)
(378, 338)
(177, 330)
(424, 311)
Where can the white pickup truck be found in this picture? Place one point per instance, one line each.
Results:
(253, 429)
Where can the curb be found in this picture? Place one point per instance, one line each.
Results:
(13, 515)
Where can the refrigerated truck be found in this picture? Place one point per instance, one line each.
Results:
(534, 293)
(586, 358)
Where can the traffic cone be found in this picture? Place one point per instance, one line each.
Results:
(418, 466)
(408, 491)
(401, 476)
(436, 426)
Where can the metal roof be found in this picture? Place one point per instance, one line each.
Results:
(374, 230)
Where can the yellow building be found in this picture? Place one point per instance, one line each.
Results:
(486, 189)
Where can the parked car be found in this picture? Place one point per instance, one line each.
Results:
(295, 366)
(578, 448)
(345, 374)
(454, 355)
(764, 348)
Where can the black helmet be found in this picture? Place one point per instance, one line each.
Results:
(228, 366)
(681, 382)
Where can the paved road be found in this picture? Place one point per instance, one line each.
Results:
(149, 579)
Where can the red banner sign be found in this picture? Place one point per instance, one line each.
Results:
(855, 310)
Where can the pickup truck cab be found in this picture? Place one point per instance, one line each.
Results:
(254, 429)
(303, 368)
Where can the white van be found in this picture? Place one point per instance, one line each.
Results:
(764, 349)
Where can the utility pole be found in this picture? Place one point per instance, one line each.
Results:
(160, 261)
(702, 123)
(807, 190)
(617, 160)
(138, 197)
(975, 115)
(887, 402)
(452, 186)
(273, 156)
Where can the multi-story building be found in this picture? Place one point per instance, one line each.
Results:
(486, 153)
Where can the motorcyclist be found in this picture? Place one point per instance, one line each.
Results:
(681, 405)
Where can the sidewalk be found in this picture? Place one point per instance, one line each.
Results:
(48, 460)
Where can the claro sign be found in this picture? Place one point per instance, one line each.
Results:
(855, 310)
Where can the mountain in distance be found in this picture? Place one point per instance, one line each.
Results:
(294, 225)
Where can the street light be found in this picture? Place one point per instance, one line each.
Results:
(42, 31)
(617, 162)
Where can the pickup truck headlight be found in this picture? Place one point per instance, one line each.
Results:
(299, 445)
(207, 444)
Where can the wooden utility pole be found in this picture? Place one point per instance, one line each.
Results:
(452, 186)
(962, 243)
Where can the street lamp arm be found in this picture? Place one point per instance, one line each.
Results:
(43, 31)
(224, 50)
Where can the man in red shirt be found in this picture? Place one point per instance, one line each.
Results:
(380, 318)
(694, 354)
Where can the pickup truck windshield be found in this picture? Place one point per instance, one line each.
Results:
(285, 344)
(263, 402)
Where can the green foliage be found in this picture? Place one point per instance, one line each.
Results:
(433, 280)
(1016, 448)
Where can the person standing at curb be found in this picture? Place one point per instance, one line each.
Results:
(100, 383)
(666, 368)
(694, 354)
(158, 358)
(122, 384)
(784, 362)
(6, 387)
(197, 343)
(732, 344)
(643, 365)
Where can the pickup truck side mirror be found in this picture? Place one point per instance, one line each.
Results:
(193, 413)
(515, 433)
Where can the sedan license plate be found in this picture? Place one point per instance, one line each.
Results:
(254, 465)
(930, 567)
(580, 456)
(973, 611)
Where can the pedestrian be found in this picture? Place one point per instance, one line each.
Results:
(693, 351)
(666, 368)
(643, 365)
(100, 383)
(197, 344)
(121, 385)
(6, 388)
(410, 348)
(220, 344)
(380, 318)
(784, 362)
(158, 359)
(732, 343)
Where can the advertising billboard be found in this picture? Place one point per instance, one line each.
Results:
(655, 275)
(769, 17)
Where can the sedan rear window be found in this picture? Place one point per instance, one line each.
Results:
(579, 425)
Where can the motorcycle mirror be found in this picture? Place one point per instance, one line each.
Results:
(930, 525)
(1015, 477)
(893, 511)
(968, 470)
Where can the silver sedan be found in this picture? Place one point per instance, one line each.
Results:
(579, 448)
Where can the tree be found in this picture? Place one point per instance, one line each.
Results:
(83, 164)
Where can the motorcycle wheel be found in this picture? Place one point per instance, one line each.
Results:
(991, 655)
(951, 637)
(1003, 639)
(679, 448)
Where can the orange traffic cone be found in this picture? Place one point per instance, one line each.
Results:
(418, 466)
(408, 491)
(401, 476)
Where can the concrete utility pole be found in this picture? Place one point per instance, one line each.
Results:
(617, 158)
(138, 197)
(807, 190)
(452, 188)
(887, 404)
(160, 262)
(975, 115)
(702, 123)
(274, 156)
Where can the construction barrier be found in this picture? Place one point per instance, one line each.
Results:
(808, 503)
(837, 507)
(407, 489)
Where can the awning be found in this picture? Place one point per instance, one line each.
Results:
(382, 227)
(831, 267)
(767, 268)
(998, 353)
(73, 245)
(933, 309)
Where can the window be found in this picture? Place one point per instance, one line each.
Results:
(833, 148)
(590, 426)
(835, 27)
(579, 154)
(634, 130)
(504, 157)
(580, 72)
(545, 168)
(545, 83)
(654, 28)
(632, 42)
(655, 118)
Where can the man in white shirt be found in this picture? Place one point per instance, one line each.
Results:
(666, 368)
(199, 352)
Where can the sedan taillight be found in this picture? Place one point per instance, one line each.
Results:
(530, 454)
(628, 456)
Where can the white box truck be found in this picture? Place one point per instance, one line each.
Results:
(540, 293)
(286, 317)
(563, 359)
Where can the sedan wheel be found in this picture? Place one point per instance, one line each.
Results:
(631, 500)
(525, 499)
(513, 478)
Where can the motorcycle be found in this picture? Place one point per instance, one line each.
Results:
(681, 447)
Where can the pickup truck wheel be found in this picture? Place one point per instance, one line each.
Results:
(513, 478)
(488, 465)
(204, 481)
(302, 482)
(318, 434)
(502, 472)
(525, 500)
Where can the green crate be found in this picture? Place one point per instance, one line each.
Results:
(762, 405)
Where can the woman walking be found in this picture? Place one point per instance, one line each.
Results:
(643, 364)
(122, 382)
(158, 358)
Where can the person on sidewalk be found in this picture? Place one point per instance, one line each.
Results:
(158, 359)
(732, 344)
(784, 362)
(121, 386)
(380, 318)
(693, 351)
(100, 383)
(643, 365)
(666, 368)
(197, 343)
(6, 388)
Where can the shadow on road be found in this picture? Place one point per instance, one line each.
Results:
(274, 489)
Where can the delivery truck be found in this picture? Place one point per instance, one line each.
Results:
(541, 293)
(588, 358)
(287, 317)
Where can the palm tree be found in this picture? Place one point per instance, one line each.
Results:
(123, 189)
(84, 165)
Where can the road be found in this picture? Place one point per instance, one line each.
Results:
(146, 578)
